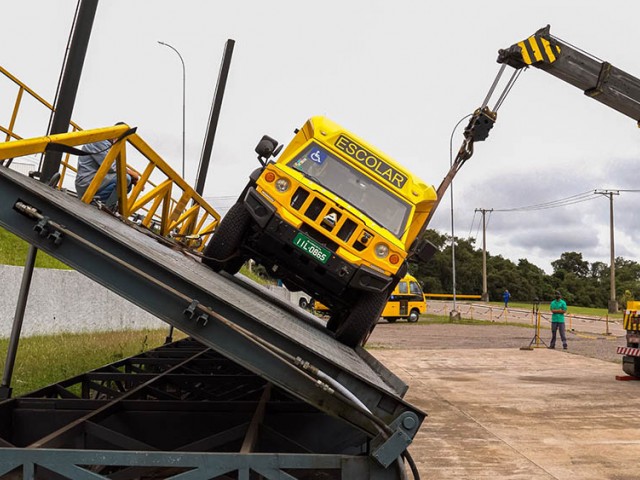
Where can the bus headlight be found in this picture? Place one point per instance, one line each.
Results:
(282, 185)
(381, 250)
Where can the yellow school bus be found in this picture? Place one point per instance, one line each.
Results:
(407, 301)
(333, 216)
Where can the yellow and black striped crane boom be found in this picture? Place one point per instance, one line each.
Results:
(596, 78)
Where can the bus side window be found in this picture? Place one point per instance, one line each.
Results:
(415, 288)
(402, 288)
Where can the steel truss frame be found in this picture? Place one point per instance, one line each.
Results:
(278, 344)
(179, 411)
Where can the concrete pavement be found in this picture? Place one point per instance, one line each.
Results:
(520, 415)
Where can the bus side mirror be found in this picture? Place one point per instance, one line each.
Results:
(267, 147)
(424, 251)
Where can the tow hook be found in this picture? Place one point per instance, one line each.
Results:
(344, 271)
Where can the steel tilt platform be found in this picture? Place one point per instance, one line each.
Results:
(360, 426)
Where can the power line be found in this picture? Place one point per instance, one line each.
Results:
(472, 222)
(489, 211)
(224, 197)
(562, 202)
(489, 217)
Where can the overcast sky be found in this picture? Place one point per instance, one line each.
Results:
(399, 74)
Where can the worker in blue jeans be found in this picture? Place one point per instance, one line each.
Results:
(558, 308)
(88, 166)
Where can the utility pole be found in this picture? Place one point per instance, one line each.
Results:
(485, 293)
(613, 303)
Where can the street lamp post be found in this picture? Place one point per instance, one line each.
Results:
(184, 78)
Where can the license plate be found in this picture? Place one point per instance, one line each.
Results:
(312, 248)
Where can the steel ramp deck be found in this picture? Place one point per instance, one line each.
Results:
(240, 320)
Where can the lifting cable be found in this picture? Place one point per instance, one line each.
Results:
(477, 130)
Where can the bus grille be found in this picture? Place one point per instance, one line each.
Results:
(337, 223)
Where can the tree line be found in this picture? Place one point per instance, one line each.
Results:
(580, 282)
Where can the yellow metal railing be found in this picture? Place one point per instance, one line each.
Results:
(168, 206)
(450, 295)
(176, 218)
(9, 130)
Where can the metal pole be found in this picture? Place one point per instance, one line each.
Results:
(214, 116)
(613, 303)
(454, 312)
(184, 97)
(5, 387)
(446, 182)
(485, 293)
(71, 72)
(169, 337)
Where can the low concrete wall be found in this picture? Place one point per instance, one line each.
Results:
(67, 301)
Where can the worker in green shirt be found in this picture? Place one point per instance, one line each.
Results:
(558, 308)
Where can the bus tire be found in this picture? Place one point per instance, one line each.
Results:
(226, 241)
(631, 366)
(414, 315)
(303, 303)
(362, 319)
(335, 320)
(391, 319)
(234, 265)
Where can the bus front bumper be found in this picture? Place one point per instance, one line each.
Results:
(273, 244)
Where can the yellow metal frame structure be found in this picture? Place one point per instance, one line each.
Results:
(450, 295)
(9, 130)
(170, 207)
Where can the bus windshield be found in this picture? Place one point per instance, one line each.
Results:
(331, 172)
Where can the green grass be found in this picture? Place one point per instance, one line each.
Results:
(13, 251)
(244, 270)
(43, 360)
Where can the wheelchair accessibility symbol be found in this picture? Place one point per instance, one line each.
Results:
(317, 157)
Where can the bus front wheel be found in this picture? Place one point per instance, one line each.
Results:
(221, 251)
(362, 318)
